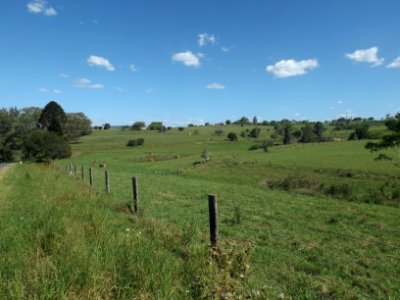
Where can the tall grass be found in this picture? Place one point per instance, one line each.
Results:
(60, 240)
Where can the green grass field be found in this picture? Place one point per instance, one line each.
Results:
(302, 242)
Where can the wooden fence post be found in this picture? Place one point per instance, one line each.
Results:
(90, 177)
(135, 192)
(82, 173)
(107, 181)
(213, 215)
(74, 170)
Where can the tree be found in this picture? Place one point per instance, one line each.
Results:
(255, 132)
(228, 122)
(138, 125)
(243, 121)
(360, 132)
(391, 140)
(77, 125)
(232, 136)
(307, 134)
(107, 126)
(255, 120)
(318, 130)
(156, 126)
(284, 129)
(219, 131)
(43, 146)
(11, 133)
(53, 118)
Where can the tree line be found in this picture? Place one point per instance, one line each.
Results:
(40, 134)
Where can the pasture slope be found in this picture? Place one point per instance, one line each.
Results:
(298, 243)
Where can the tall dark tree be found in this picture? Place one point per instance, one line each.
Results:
(53, 118)
(255, 121)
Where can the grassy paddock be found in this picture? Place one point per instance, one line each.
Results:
(306, 244)
(296, 244)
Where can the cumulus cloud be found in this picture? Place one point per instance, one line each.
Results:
(205, 38)
(225, 49)
(188, 58)
(366, 55)
(394, 64)
(87, 83)
(41, 7)
(98, 61)
(291, 67)
(215, 86)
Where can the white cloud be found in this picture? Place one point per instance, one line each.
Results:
(98, 61)
(291, 67)
(340, 102)
(215, 86)
(87, 83)
(394, 64)
(225, 49)
(205, 38)
(43, 90)
(41, 7)
(134, 68)
(150, 90)
(188, 58)
(366, 55)
(50, 12)
(119, 89)
(63, 75)
(57, 91)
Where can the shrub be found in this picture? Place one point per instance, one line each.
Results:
(265, 145)
(181, 128)
(254, 147)
(232, 136)
(219, 131)
(339, 190)
(132, 143)
(255, 132)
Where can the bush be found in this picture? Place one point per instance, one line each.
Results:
(132, 143)
(232, 136)
(43, 146)
(219, 131)
(255, 132)
(339, 190)
(360, 132)
(181, 128)
(254, 147)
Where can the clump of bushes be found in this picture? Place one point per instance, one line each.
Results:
(137, 142)
(342, 190)
(295, 182)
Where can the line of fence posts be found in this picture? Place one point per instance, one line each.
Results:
(212, 199)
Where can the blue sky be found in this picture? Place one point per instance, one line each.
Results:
(196, 61)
